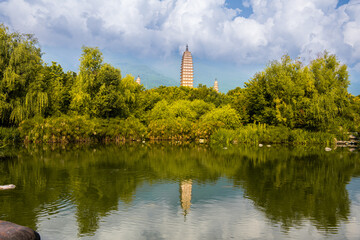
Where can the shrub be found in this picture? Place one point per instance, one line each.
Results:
(223, 137)
(224, 117)
(9, 134)
(80, 129)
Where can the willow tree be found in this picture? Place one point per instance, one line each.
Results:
(328, 107)
(22, 92)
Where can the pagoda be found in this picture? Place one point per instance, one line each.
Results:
(216, 85)
(138, 80)
(187, 69)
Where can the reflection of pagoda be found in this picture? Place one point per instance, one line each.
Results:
(185, 195)
(187, 69)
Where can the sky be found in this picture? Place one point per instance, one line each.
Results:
(230, 40)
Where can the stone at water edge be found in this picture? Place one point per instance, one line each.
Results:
(328, 149)
(12, 231)
(7, 187)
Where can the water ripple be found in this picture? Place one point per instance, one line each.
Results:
(61, 207)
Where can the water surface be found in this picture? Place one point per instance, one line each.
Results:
(160, 191)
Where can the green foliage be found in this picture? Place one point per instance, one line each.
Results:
(238, 101)
(22, 92)
(9, 134)
(99, 91)
(175, 120)
(58, 85)
(132, 96)
(312, 97)
(202, 92)
(261, 133)
(170, 129)
(120, 129)
(223, 137)
(286, 95)
(80, 129)
(354, 114)
(87, 84)
(224, 117)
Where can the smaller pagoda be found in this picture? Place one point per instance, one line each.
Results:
(138, 80)
(216, 85)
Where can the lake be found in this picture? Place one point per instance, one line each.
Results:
(167, 191)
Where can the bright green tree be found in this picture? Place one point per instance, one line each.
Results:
(223, 117)
(100, 91)
(87, 83)
(290, 94)
(22, 89)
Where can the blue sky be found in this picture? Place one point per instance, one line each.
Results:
(230, 39)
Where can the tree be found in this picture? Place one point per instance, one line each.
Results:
(58, 85)
(224, 117)
(290, 94)
(22, 90)
(238, 101)
(177, 119)
(107, 101)
(87, 83)
(132, 95)
(100, 91)
(331, 82)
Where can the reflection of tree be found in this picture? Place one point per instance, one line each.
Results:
(95, 179)
(37, 188)
(289, 188)
(288, 185)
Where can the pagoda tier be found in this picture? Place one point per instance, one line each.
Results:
(187, 69)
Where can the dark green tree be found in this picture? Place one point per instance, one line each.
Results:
(58, 85)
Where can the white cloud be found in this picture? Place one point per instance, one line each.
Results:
(162, 28)
(352, 33)
(246, 3)
(357, 67)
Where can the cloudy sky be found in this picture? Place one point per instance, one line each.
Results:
(229, 39)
